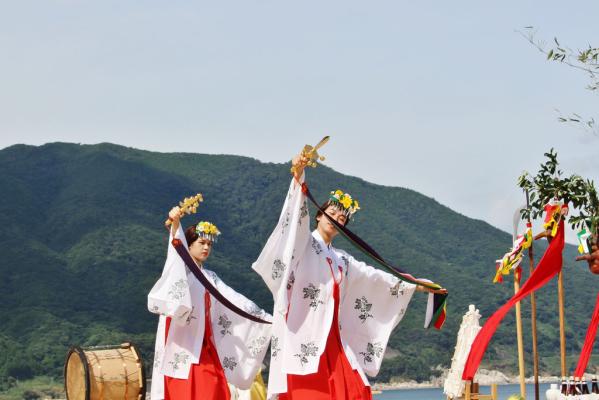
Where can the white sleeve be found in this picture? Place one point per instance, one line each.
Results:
(170, 295)
(373, 304)
(289, 238)
(241, 343)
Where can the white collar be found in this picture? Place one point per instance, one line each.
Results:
(319, 238)
(332, 254)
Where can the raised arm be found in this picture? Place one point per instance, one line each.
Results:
(174, 215)
(298, 164)
(170, 295)
(289, 238)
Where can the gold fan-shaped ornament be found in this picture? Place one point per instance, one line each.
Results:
(188, 205)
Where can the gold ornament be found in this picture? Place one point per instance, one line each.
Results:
(188, 205)
(311, 153)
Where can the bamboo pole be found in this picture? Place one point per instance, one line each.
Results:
(515, 222)
(562, 322)
(520, 341)
(494, 392)
(533, 321)
(467, 394)
(533, 309)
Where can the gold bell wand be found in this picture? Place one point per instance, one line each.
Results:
(311, 153)
(188, 205)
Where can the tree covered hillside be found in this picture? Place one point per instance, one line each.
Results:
(82, 242)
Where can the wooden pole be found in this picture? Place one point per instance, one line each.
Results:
(533, 310)
(494, 392)
(515, 222)
(533, 321)
(562, 322)
(520, 341)
(467, 390)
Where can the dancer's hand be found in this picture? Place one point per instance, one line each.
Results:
(592, 259)
(430, 290)
(174, 215)
(299, 162)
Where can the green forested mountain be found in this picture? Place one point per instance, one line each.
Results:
(82, 242)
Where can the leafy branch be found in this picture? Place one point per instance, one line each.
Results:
(550, 184)
(586, 60)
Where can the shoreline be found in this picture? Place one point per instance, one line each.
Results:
(483, 377)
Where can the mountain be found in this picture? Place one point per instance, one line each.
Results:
(82, 242)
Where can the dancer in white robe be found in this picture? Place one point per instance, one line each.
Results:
(333, 314)
(198, 338)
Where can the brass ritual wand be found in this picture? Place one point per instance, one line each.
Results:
(311, 153)
(188, 205)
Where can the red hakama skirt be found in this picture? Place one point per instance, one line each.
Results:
(207, 379)
(335, 378)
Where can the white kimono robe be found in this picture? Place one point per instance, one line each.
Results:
(295, 268)
(240, 343)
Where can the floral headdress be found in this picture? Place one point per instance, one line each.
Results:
(345, 202)
(207, 230)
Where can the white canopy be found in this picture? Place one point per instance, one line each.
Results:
(454, 386)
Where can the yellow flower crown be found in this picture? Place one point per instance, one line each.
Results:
(207, 230)
(345, 201)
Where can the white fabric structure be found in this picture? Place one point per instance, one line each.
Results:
(240, 343)
(454, 385)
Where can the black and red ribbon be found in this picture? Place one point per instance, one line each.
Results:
(195, 270)
(440, 299)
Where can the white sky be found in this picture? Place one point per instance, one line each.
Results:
(441, 97)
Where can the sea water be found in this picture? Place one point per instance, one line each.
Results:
(503, 392)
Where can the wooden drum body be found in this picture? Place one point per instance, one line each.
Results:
(104, 373)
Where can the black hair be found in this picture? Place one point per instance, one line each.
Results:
(324, 207)
(191, 234)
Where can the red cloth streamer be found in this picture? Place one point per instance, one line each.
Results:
(548, 267)
(589, 341)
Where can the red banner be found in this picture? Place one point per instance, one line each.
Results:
(548, 267)
(587, 349)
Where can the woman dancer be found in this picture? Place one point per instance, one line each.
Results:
(333, 314)
(201, 344)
